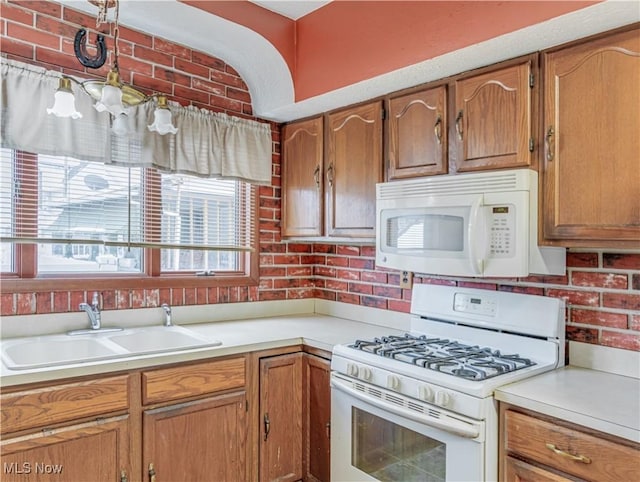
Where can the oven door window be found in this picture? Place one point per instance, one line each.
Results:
(390, 452)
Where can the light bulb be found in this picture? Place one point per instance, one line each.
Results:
(162, 120)
(64, 103)
(120, 125)
(111, 100)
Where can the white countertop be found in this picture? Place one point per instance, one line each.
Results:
(600, 400)
(586, 393)
(321, 331)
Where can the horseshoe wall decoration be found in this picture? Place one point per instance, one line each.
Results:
(80, 48)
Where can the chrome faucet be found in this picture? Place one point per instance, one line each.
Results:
(167, 314)
(93, 311)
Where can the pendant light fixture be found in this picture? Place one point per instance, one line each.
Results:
(111, 95)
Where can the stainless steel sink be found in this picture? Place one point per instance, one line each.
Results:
(54, 350)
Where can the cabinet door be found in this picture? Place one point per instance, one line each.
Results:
(281, 418)
(520, 471)
(317, 426)
(302, 179)
(418, 134)
(354, 166)
(591, 175)
(196, 441)
(493, 119)
(88, 452)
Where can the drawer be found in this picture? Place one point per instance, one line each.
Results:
(570, 451)
(43, 407)
(192, 380)
(520, 471)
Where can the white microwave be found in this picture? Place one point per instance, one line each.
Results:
(478, 224)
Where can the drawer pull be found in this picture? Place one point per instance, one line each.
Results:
(562, 453)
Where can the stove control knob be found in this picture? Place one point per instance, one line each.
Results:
(365, 373)
(442, 398)
(425, 393)
(352, 370)
(393, 382)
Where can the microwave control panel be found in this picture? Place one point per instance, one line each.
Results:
(502, 226)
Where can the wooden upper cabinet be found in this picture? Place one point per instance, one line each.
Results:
(353, 167)
(302, 179)
(591, 163)
(417, 127)
(492, 127)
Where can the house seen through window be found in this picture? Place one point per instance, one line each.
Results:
(88, 217)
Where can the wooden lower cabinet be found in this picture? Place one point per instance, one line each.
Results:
(197, 441)
(281, 417)
(536, 447)
(96, 451)
(189, 422)
(520, 471)
(317, 418)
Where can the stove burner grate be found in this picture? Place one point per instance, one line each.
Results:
(470, 362)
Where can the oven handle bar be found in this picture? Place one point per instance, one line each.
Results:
(448, 425)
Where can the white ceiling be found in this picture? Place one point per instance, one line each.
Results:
(293, 9)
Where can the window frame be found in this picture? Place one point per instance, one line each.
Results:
(26, 278)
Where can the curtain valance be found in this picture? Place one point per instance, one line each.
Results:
(208, 144)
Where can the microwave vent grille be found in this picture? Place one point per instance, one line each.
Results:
(515, 180)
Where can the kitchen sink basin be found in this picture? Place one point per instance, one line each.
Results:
(161, 338)
(54, 350)
(44, 351)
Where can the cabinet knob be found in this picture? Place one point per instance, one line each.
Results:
(437, 129)
(152, 473)
(316, 176)
(459, 123)
(330, 174)
(551, 145)
(267, 426)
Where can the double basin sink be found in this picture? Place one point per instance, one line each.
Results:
(54, 350)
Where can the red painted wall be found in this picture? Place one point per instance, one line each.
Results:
(602, 288)
(345, 42)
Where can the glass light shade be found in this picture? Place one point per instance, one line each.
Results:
(64, 104)
(111, 100)
(162, 122)
(120, 125)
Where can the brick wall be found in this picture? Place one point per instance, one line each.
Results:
(601, 287)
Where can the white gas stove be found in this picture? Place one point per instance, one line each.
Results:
(463, 344)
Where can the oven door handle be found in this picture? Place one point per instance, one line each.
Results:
(448, 425)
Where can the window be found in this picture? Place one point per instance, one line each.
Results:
(64, 217)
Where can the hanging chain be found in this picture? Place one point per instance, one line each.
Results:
(116, 35)
(103, 9)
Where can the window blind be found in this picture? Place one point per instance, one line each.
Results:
(50, 199)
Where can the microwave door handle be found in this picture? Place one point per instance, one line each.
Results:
(473, 236)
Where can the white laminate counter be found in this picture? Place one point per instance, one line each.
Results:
(321, 331)
(600, 400)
